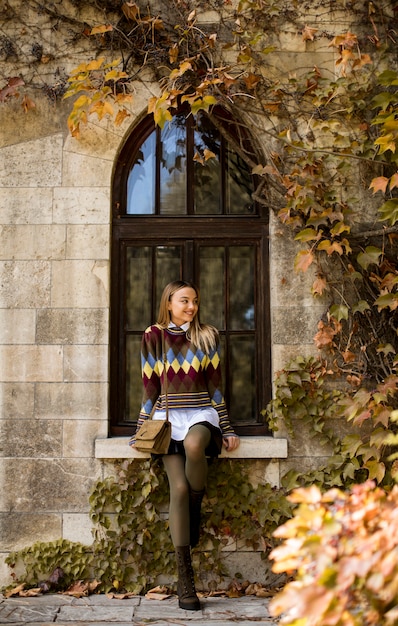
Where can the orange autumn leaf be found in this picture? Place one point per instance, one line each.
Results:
(394, 180)
(324, 336)
(379, 184)
(100, 30)
(303, 260)
(318, 286)
(308, 33)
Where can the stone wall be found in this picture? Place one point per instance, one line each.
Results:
(54, 315)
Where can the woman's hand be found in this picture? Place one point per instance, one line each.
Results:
(231, 442)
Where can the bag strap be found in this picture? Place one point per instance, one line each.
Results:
(165, 375)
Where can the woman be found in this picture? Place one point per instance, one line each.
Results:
(197, 412)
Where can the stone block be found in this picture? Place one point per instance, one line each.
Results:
(93, 171)
(21, 206)
(47, 485)
(79, 436)
(77, 527)
(72, 326)
(296, 325)
(246, 609)
(291, 289)
(244, 566)
(264, 471)
(100, 139)
(31, 363)
(303, 464)
(74, 401)
(17, 326)
(33, 279)
(16, 400)
(88, 241)
(80, 284)
(27, 614)
(86, 363)
(290, 40)
(18, 530)
(5, 571)
(304, 444)
(35, 163)
(30, 438)
(32, 242)
(81, 205)
(92, 613)
(283, 354)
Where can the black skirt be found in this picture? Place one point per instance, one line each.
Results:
(213, 449)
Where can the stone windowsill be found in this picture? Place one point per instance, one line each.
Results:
(250, 448)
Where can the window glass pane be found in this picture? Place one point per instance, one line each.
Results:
(173, 163)
(168, 268)
(133, 377)
(239, 185)
(242, 376)
(141, 180)
(241, 289)
(139, 276)
(212, 296)
(207, 174)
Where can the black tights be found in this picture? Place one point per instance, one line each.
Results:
(182, 474)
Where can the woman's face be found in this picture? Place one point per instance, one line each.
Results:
(183, 306)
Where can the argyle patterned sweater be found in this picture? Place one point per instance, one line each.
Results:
(193, 377)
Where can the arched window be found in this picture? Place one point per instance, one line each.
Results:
(183, 209)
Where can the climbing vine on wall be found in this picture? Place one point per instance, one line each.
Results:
(132, 544)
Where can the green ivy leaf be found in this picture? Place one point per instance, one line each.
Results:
(389, 211)
(387, 301)
(370, 256)
(360, 307)
(339, 312)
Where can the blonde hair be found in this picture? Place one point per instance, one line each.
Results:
(203, 336)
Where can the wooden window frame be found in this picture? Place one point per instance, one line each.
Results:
(155, 229)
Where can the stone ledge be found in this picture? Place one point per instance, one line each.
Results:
(250, 448)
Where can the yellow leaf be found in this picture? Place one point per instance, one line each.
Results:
(386, 142)
(184, 67)
(120, 117)
(115, 75)
(99, 30)
(161, 116)
(94, 65)
(123, 98)
(102, 108)
(81, 102)
(394, 180)
(208, 154)
(173, 53)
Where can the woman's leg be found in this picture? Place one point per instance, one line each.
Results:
(174, 465)
(195, 444)
(179, 528)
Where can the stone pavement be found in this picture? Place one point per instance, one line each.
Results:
(99, 610)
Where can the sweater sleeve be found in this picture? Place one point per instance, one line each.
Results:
(214, 386)
(151, 364)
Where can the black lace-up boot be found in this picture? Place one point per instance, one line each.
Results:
(195, 504)
(187, 598)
